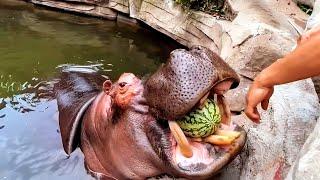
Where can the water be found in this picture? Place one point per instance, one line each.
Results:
(33, 43)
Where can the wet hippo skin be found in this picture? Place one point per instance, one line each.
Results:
(122, 127)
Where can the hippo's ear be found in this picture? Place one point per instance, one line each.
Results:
(107, 85)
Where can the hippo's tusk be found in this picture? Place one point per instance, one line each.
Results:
(224, 109)
(181, 139)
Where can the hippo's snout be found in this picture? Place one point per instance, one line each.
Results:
(185, 79)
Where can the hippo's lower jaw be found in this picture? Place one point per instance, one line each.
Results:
(206, 160)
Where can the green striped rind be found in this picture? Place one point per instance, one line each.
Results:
(201, 122)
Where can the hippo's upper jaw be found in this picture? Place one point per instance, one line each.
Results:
(183, 83)
(186, 78)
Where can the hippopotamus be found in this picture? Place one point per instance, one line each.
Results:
(122, 126)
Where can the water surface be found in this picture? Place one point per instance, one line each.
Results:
(33, 43)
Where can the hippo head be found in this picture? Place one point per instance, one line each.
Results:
(185, 79)
(123, 131)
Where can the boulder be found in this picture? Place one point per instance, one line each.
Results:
(274, 144)
(306, 166)
(307, 163)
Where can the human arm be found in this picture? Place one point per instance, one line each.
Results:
(303, 62)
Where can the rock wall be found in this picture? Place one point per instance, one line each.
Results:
(186, 27)
(261, 32)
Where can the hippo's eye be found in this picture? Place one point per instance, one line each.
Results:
(122, 84)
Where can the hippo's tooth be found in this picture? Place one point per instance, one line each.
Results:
(203, 100)
(181, 139)
(224, 109)
(229, 133)
(219, 140)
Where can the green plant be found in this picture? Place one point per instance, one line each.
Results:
(209, 6)
(305, 8)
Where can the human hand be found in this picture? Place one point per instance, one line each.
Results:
(257, 94)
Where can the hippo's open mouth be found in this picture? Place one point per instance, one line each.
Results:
(206, 160)
(178, 88)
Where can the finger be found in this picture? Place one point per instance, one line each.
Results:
(258, 115)
(252, 113)
(265, 104)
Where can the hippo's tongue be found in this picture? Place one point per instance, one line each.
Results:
(181, 139)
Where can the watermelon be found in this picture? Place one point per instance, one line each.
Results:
(201, 122)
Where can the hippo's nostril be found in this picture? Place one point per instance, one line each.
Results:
(198, 48)
(234, 85)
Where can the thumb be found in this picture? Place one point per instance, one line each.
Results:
(252, 113)
(265, 101)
